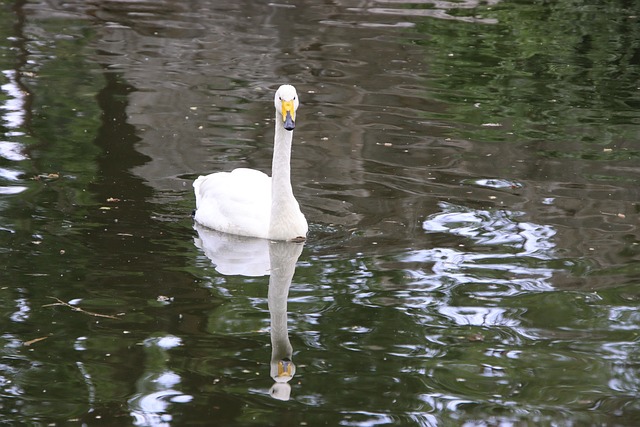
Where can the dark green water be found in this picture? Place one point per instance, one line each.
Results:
(469, 171)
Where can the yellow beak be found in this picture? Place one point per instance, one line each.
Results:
(288, 114)
(285, 368)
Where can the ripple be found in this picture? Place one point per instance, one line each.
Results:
(12, 151)
(479, 316)
(497, 227)
(363, 418)
(328, 73)
(449, 267)
(10, 174)
(152, 408)
(15, 189)
(422, 13)
(165, 342)
(495, 183)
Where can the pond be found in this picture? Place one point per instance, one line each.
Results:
(470, 174)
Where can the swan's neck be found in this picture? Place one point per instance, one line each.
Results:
(279, 282)
(281, 191)
(283, 257)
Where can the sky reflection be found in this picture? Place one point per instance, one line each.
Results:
(518, 255)
(158, 387)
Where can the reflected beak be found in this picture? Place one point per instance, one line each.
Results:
(288, 115)
(285, 368)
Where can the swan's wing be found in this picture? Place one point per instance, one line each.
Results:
(237, 202)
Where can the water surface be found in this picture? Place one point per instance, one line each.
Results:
(469, 171)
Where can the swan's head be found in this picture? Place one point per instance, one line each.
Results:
(283, 370)
(286, 103)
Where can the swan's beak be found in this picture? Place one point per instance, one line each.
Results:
(285, 368)
(288, 115)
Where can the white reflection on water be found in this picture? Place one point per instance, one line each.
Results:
(499, 256)
(433, 9)
(234, 255)
(22, 310)
(497, 227)
(517, 259)
(13, 114)
(251, 257)
(13, 107)
(479, 316)
(12, 151)
(10, 174)
(158, 387)
(6, 190)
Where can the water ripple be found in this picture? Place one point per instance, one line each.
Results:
(12, 151)
(431, 9)
(496, 227)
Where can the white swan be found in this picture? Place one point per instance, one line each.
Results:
(247, 202)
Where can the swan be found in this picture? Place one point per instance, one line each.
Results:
(248, 202)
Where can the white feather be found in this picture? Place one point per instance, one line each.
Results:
(247, 202)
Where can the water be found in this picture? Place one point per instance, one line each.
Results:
(470, 175)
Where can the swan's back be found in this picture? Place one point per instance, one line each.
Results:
(236, 202)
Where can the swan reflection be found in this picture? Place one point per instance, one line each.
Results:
(237, 255)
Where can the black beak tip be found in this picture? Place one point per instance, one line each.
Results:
(289, 124)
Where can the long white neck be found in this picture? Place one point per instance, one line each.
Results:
(281, 191)
(283, 257)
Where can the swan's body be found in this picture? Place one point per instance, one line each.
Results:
(247, 202)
